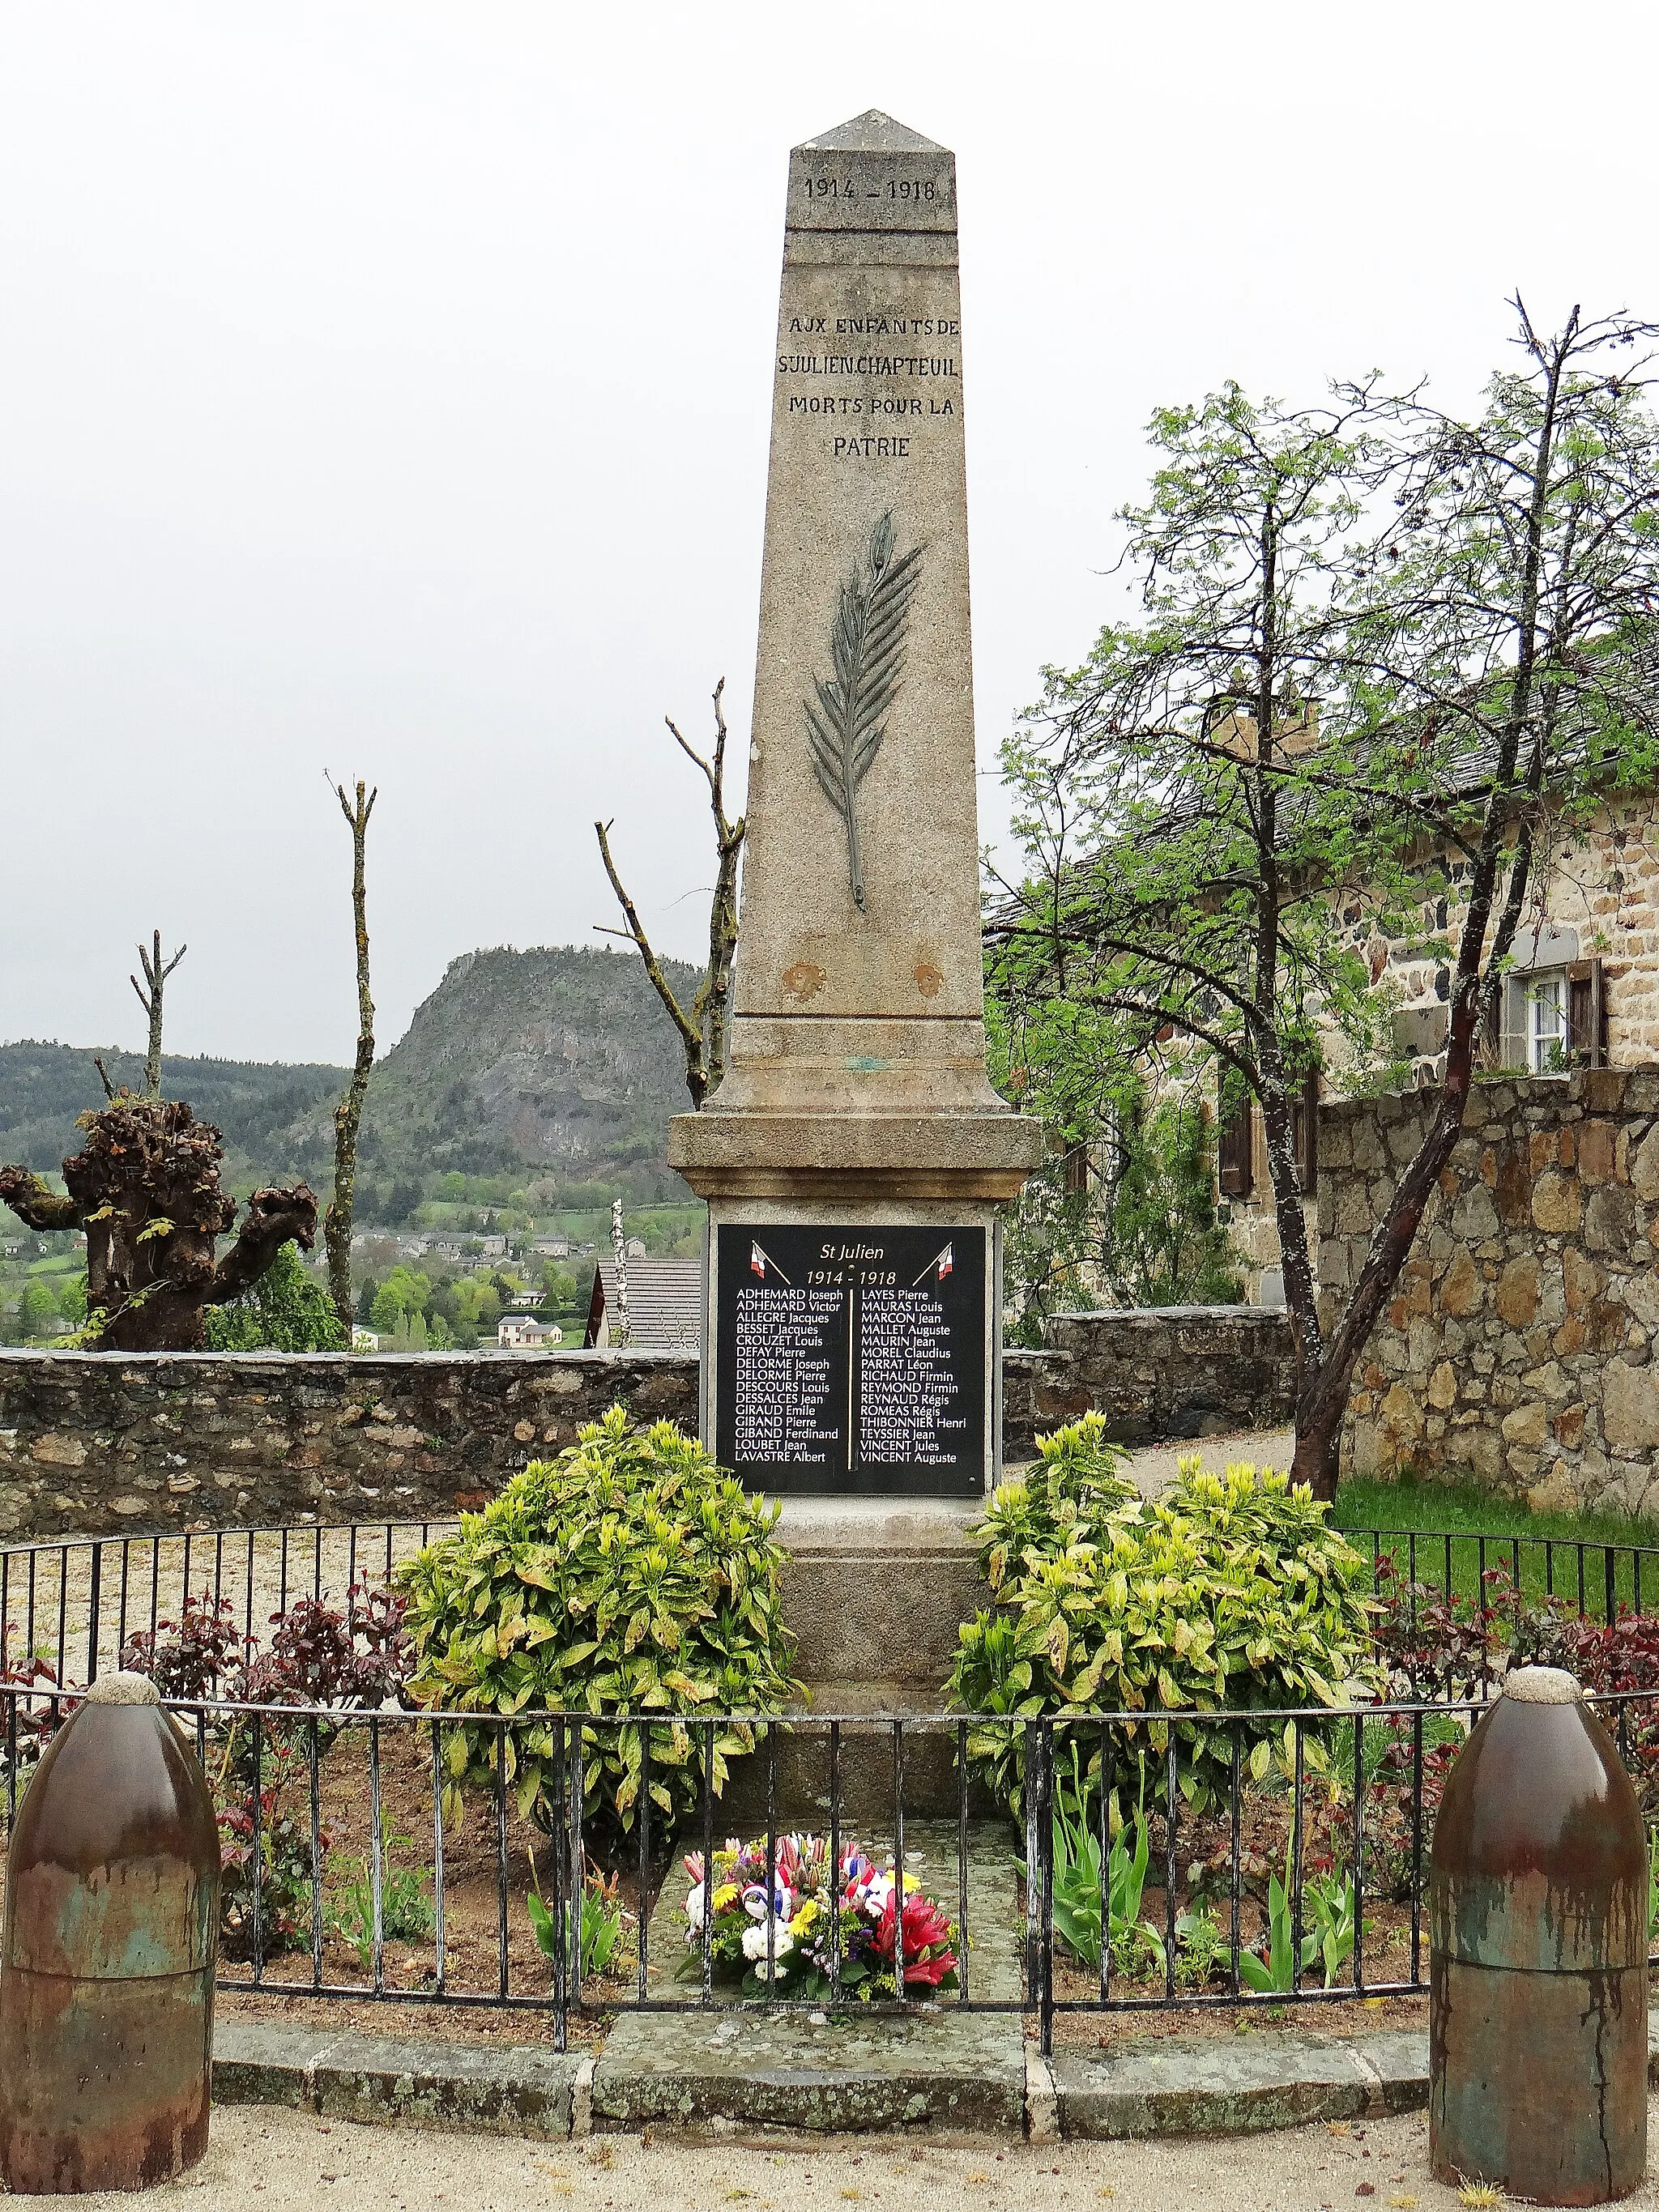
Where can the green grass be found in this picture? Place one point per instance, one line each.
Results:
(1466, 1514)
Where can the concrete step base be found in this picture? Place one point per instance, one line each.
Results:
(800, 1759)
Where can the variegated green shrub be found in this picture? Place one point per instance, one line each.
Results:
(1230, 1597)
(629, 1574)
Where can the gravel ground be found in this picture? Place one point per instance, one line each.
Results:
(281, 2160)
(1154, 1466)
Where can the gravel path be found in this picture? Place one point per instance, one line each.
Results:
(1153, 1467)
(266, 2158)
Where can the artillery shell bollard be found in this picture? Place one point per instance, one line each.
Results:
(1538, 1947)
(106, 1965)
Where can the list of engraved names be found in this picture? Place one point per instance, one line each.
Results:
(851, 1360)
(908, 1394)
(781, 1344)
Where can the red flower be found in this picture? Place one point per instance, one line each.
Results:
(927, 1955)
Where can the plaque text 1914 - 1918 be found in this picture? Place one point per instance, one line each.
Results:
(851, 1360)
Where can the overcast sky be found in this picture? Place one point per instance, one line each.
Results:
(384, 389)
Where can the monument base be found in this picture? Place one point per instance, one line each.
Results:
(875, 1594)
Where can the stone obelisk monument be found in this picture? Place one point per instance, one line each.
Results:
(853, 1156)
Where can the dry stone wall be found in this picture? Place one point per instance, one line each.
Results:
(95, 1444)
(1171, 1372)
(92, 1443)
(1519, 1347)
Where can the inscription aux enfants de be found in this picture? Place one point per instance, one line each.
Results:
(847, 408)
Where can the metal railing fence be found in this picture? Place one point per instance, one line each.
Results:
(74, 1600)
(265, 1760)
(1348, 1798)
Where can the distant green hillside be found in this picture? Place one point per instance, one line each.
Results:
(44, 1086)
(553, 1070)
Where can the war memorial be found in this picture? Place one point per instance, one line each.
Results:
(855, 1155)
(1015, 1764)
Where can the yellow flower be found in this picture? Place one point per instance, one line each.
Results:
(725, 1895)
(807, 1918)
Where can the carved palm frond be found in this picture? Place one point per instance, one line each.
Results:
(847, 722)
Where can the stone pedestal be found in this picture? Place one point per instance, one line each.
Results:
(856, 1104)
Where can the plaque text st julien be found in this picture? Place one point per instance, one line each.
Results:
(851, 1360)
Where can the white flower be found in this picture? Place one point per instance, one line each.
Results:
(694, 1906)
(754, 1944)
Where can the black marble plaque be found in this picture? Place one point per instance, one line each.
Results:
(851, 1361)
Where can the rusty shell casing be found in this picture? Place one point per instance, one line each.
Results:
(1538, 1941)
(107, 1958)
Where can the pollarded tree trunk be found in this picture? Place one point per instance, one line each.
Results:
(145, 1188)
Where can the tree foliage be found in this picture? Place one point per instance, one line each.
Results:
(286, 1311)
(1384, 656)
(1125, 1204)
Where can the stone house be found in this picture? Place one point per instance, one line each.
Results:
(524, 1333)
(1582, 993)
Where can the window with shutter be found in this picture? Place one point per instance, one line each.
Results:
(1234, 1143)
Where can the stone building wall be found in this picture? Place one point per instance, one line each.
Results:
(1595, 897)
(1519, 1345)
(97, 1443)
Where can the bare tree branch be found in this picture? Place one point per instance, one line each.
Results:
(348, 1115)
(150, 998)
(702, 1028)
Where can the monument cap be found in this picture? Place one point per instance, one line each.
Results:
(872, 133)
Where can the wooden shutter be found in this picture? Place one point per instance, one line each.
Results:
(1304, 1132)
(1586, 1015)
(1074, 1167)
(1234, 1143)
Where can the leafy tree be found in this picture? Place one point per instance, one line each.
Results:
(387, 1310)
(37, 1312)
(366, 1301)
(286, 1311)
(1168, 1247)
(1381, 650)
(403, 1200)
